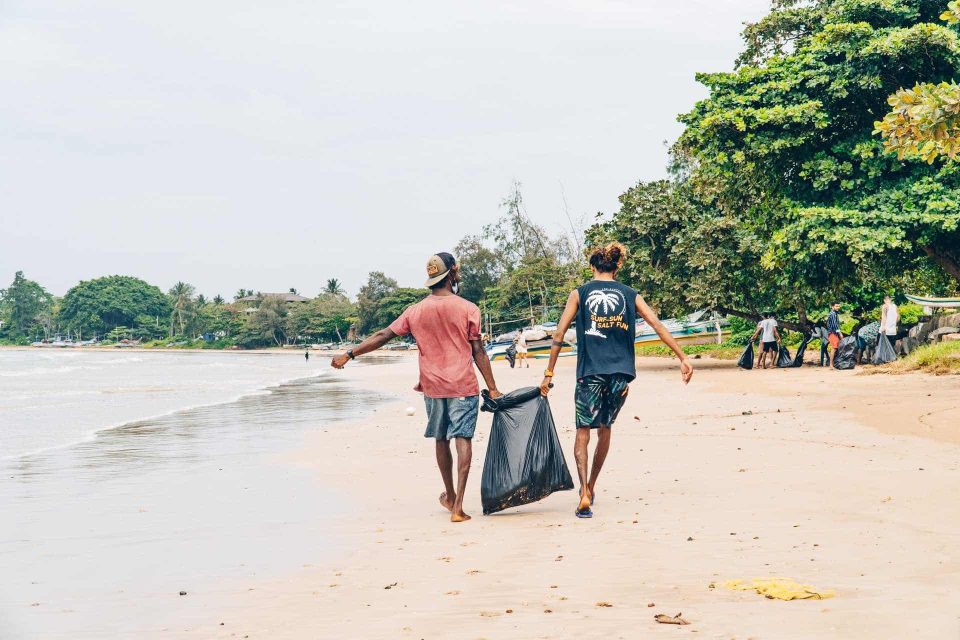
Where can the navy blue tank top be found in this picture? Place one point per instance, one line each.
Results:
(606, 328)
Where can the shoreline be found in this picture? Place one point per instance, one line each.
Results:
(739, 475)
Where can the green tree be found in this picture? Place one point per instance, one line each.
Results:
(781, 159)
(218, 300)
(393, 304)
(480, 267)
(925, 120)
(327, 317)
(269, 321)
(378, 287)
(104, 303)
(23, 306)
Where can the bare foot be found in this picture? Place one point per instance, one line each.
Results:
(585, 499)
(445, 502)
(459, 517)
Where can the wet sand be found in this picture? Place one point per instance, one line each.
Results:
(834, 479)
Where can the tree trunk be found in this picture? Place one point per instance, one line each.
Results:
(946, 261)
(793, 326)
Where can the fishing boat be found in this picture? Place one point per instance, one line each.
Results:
(539, 340)
(700, 327)
(935, 303)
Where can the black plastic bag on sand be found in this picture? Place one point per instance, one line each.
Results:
(511, 354)
(746, 360)
(884, 352)
(524, 460)
(784, 359)
(798, 357)
(846, 354)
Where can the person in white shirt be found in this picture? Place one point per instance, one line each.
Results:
(769, 338)
(522, 350)
(889, 319)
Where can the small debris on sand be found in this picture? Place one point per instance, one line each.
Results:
(604, 604)
(665, 619)
(391, 585)
(183, 593)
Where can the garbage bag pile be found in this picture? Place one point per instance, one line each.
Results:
(524, 461)
(784, 359)
(797, 359)
(846, 355)
(884, 352)
(746, 360)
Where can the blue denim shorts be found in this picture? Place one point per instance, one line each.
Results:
(449, 418)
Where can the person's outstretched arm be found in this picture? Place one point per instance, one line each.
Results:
(483, 364)
(686, 369)
(372, 343)
(776, 334)
(755, 333)
(566, 319)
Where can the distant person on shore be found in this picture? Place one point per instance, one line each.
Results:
(769, 338)
(889, 319)
(306, 356)
(447, 329)
(605, 311)
(522, 349)
(834, 335)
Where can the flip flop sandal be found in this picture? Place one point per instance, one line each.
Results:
(586, 513)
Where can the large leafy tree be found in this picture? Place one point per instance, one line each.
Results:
(782, 152)
(102, 304)
(329, 316)
(24, 306)
(378, 286)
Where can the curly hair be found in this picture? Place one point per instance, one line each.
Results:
(608, 258)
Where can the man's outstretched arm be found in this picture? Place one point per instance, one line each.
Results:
(372, 343)
(483, 364)
(686, 369)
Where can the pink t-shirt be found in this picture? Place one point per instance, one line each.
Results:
(443, 327)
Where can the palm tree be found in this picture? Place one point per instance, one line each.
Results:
(334, 287)
(201, 300)
(182, 294)
(242, 293)
(218, 300)
(294, 291)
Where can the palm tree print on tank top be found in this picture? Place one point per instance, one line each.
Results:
(606, 310)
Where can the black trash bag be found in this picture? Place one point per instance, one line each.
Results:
(746, 360)
(798, 357)
(784, 359)
(524, 461)
(845, 357)
(884, 352)
(511, 353)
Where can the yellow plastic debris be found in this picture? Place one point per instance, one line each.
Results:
(779, 589)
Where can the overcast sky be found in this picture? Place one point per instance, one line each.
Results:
(276, 144)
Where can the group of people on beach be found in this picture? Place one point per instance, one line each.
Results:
(829, 332)
(447, 330)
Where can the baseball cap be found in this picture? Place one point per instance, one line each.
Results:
(436, 270)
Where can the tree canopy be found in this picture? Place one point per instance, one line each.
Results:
(102, 304)
(782, 197)
(25, 306)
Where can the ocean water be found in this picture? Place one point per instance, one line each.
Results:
(128, 477)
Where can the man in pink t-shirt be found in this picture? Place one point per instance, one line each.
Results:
(447, 330)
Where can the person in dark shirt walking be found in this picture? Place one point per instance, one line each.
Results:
(605, 311)
(834, 335)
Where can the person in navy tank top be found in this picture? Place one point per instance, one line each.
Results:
(605, 312)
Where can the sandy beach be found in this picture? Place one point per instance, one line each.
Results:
(834, 479)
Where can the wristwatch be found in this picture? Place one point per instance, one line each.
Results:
(548, 374)
(350, 354)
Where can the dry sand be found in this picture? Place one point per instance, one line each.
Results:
(834, 479)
